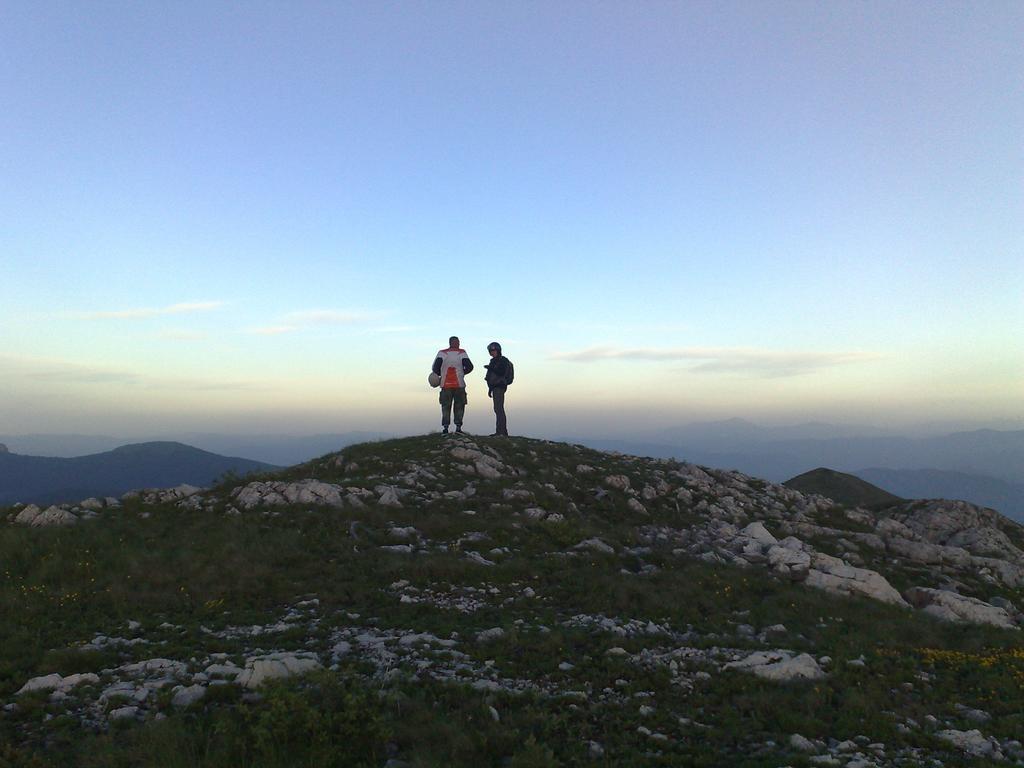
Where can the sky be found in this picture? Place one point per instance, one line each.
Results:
(268, 217)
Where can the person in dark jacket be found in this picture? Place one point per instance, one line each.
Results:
(498, 376)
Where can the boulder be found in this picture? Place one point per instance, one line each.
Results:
(53, 516)
(617, 482)
(28, 514)
(779, 665)
(273, 666)
(308, 491)
(596, 545)
(759, 533)
(972, 742)
(186, 697)
(44, 683)
(950, 606)
(833, 575)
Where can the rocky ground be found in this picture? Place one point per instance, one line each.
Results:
(592, 608)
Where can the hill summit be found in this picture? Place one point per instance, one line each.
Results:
(453, 600)
(845, 489)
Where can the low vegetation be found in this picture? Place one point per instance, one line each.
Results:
(493, 639)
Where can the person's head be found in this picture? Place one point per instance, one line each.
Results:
(453, 342)
(494, 349)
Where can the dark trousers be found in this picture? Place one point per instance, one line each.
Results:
(498, 396)
(456, 396)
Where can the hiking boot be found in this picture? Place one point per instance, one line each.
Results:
(458, 429)
(444, 430)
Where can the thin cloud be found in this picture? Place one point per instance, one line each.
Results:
(141, 312)
(59, 372)
(274, 330)
(330, 317)
(299, 320)
(757, 362)
(172, 334)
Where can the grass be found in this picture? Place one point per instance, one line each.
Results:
(205, 571)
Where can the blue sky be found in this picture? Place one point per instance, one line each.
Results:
(269, 216)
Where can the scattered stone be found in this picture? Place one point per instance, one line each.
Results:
(950, 606)
(272, 666)
(186, 697)
(596, 545)
(779, 665)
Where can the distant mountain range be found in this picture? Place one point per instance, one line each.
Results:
(49, 480)
(280, 450)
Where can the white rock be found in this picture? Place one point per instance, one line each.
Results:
(186, 697)
(617, 482)
(833, 575)
(272, 666)
(341, 648)
(389, 498)
(44, 683)
(760, 534)
(53, 516)
(950, 606)
(972, 742)
(597, 545)
(28, 514)
(636, 507)
(477, 558)
(124, 713)
(488, 635)
(802, 743)
(779, 665)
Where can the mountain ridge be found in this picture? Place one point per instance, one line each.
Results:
(466, 600)
(46, 480)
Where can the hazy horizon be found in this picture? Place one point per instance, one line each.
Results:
(262, 218)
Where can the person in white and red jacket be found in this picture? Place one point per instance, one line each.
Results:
(452, 365)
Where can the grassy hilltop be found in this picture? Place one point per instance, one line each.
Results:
(477, 601)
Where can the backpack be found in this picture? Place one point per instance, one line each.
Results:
(511, 372)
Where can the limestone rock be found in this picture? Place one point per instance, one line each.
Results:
(759, 533)
(44, 683)
(186, 697)
(28, 514)
(833, 575)
(636, 507)
(972, 742)
(779, 665)
(53, 516)
(950, 606)
(617, 482)
(597, 545)
(272, 666)
(273, 493)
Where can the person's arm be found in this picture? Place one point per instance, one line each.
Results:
(503, 375)
(467, 366)
(437, 365)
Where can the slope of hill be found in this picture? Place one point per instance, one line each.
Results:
(992, 492)
(475, 601)
(47, 480)
(972, 459)
(838, 486)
